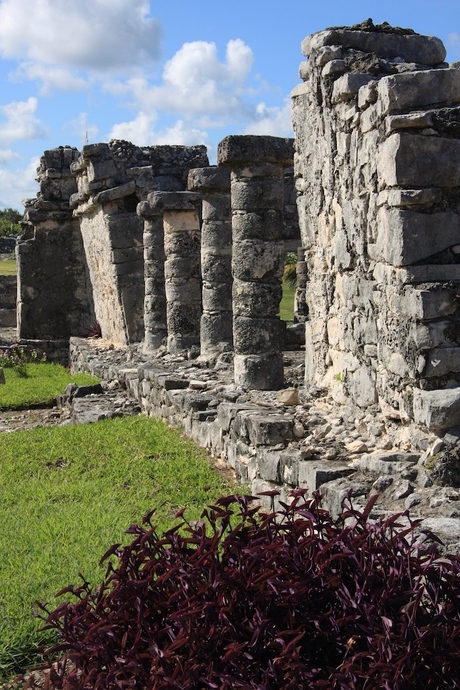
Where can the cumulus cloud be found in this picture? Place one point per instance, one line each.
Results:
(195, 84)
(7, 155)
(88, 34)
(81, 128)
(51, 77)
(21, 122)
(19, 184)
(272, 121)
(139, 131)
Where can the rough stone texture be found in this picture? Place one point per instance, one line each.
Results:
(377, 161)
(216, 258)
(257, 202)
(8, 297)
(182, 239)
(54, 295)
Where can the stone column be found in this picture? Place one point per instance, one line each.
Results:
(216, 258)
(154, 273)
(181, 222)
(257, 200)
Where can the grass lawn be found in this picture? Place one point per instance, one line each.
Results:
(287, 303)
(8, 267)
(68, 493)
(40, 387)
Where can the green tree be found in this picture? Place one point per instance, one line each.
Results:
(9, 222)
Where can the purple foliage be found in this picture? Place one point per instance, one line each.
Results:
(292, 599)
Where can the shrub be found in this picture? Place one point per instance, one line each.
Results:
(17, 357)
(242, 599)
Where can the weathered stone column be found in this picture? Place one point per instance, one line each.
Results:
(181, 222)
(257, 200)
(216, 257)
(154, 274)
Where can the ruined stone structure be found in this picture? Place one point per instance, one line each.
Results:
(378, 173)
(183, 262)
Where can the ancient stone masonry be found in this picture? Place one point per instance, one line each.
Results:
(216, 333)
(54, 291)
(377, 126)
(112, 179)
(181, 264)
(257, 202)
(81, 257)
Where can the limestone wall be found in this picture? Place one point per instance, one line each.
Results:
(378, 177)
(54, 292)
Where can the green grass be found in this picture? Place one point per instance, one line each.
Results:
(68, 493)
(287, 303)
(8, 267)
(41, 386)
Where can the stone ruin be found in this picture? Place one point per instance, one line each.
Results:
(180, 264)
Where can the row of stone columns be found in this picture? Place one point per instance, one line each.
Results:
(217, 280)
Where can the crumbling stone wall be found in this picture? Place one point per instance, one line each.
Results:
(378, 176)
(54, 291)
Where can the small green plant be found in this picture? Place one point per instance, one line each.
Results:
(17, 357)
(338, 377)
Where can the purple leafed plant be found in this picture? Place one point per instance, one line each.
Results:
(291, 600)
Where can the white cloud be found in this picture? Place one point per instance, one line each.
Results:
(81, 128)
(51, 77)
(139, 131)
(196, 85)
(7, 155)
(181, 134)
(21, 123)
(88, 34)
(273, 121)
(19, 184)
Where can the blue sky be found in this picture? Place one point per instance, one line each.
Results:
(158, 72)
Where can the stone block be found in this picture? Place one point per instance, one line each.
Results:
(409, 90)
(254, 260)
(252, 299)
(442, 361)
(256, 336)
(269, 465)
(260, 372)
(265, 224)
(405, 237)
(238, 150)
(407, 160)
(216, 269)
(313, 474)
(427, 50)
(174, 201)
(335, 493)
(227, 413)
(114, 193)
(216, 329)
(429, 304)
(209, 179)
(217, 297)
(387, 463)
(348, 85)
(216, 237)
(269, 430)
(258, 194)
(437, 409)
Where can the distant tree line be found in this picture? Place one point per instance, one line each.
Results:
(9, 222)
